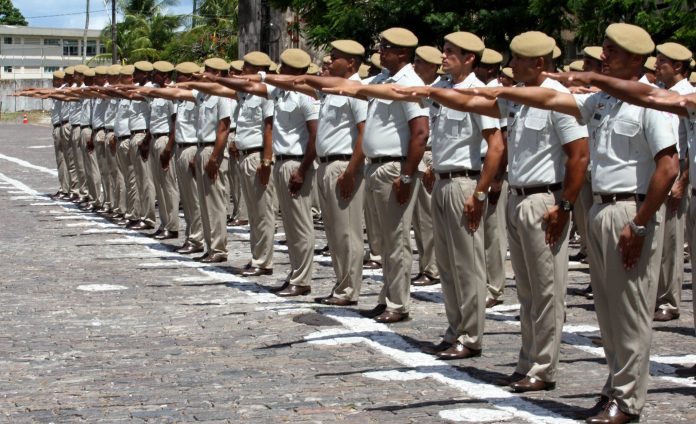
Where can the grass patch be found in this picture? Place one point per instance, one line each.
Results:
(34, 117)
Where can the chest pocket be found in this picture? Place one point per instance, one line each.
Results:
(210, 108)
(187, 110)
(535, 135)
(160, 109)
(623, 131)
(285, 112)
(456, 124)
(335, 107)
(383, 109)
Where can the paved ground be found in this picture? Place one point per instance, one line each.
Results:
(103, 324)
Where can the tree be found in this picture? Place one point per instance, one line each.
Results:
(10, 15)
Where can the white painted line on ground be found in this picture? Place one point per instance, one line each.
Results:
(101, 287)
(40, 147)
(473, 415)
(29, 165)
(18, 184)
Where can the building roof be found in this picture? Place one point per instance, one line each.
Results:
(47, 32)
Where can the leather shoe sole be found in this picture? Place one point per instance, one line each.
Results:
(531, 384)
(389, 317)
(294, 290)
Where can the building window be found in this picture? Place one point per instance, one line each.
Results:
(7, 40)
(50, 69)
(91, 47)
(51, 42)
(102, 49)
(7, 69)
(70, 48)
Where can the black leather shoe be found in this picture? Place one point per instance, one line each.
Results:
(141, 226)
(257, 271)
(686, 372)
(156, 233)
(423, 279)
(458, 351)
(280, 287)
(531, 384)
(509, 379)
(214, 258)
(294, 290)
(122, 222)
(166, 235)
(663, 315)
(132, 223)
(389, 317)
(371, 313)
(577, 257)
(200, 258)
(612, 414)
(371, 265)
(335, 301)
(597, 408)
(189, 248)
(237, 222)
(434, 349)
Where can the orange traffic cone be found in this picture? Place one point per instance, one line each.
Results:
(25, 120)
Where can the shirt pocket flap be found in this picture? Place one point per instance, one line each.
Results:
(210, 103)
(534, 123)
(384, 101)
(455, 115)
(626, 128)
(338, 101)
(287, 106)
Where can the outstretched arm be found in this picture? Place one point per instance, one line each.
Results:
(285, 82)
(166, 93)
(237, 84)
(208, 88)
(360, 91)
(538, 97)
(453, 99)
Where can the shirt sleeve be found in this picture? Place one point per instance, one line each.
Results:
(359, 109)
(267, 109)
(567, 127)
(503, 108)
(272, 91)
(196, 97)
(224, 108)
(486, 122)
(172, 107)
(309, 107)
(658, 130)
(586, 105)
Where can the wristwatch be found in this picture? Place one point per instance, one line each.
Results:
(266, 162)
(565, 205)
(480, 195)
(405, 179)
(639, 230)
(262, 74)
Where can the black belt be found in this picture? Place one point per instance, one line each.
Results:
(134, 132)
(428, 148)
(205, 143)
(75, 126)
(98, 129)
(693, 192)
(333, 158)
(250, 151)
(454, 174)
(123, 137)
(617, 197)
(289, 157)
(85, 126)
(56, 125)
(158, 135)
(64, 122)
(385, 159)
(108, 130)
(526, 191)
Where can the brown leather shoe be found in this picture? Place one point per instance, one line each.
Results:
(335, 301)
(237, 222)
(587, 292)
(159, 231)
(166, 235)
(531, 384)
(612, 414)
(256, 271)
(214, 258)
(423, 279)
(141, 226)
(189, 248)
(686, 372)
(280, 288)
(434, 349)
(663, 315)
(492, 302)
(371, 265)
(597, 408)
(371, 313)
(389, 317)
(509, 379)
(458, 351)
(294, 290)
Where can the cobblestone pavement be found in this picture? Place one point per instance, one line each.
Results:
(103, 324)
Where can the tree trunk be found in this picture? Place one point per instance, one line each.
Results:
(84, 36)
(114, 50)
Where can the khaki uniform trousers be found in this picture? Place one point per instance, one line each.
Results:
(669, 286)
(188, 192)
(394, 227)
(260, 203)
(166, 186)
(423, 223)
(66, 144)
(61, 164)
(461, 261)
(236, 208)
(118, 181)
(143, 180)
(213, 199)
(101, 148)
(624, 300)
(581, 211)
(125, 164)
(92, 175)
(75, 142)
(541, 275)
(691, 231)
(297, 220)
(343, 226)
(495, 242)
(374, 236)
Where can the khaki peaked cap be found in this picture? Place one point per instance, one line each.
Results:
(631, 38)
(692, 77)
(675, 51)
(508, 73)
(364, 71)
(257, 58)
(163, 66)
(217, 63)
(429, 54)
(491, 57)
(143, 65)
(81, 69)
(313, 69)
(89, 72)
(400, 37)
(466, 41)
(70, 70)
(576, 65)
(532, 44)
(114, 70)
(59, 74)
(237, 65)
(350, 47)
(101, 70)
(556, 52)
(650, 63)
(187, 68)
(593, 52)
(375, 60)
(295, 58)
(127, 70)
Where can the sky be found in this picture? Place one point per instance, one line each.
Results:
(71, 13)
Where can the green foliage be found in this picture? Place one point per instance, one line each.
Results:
(10, 15)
